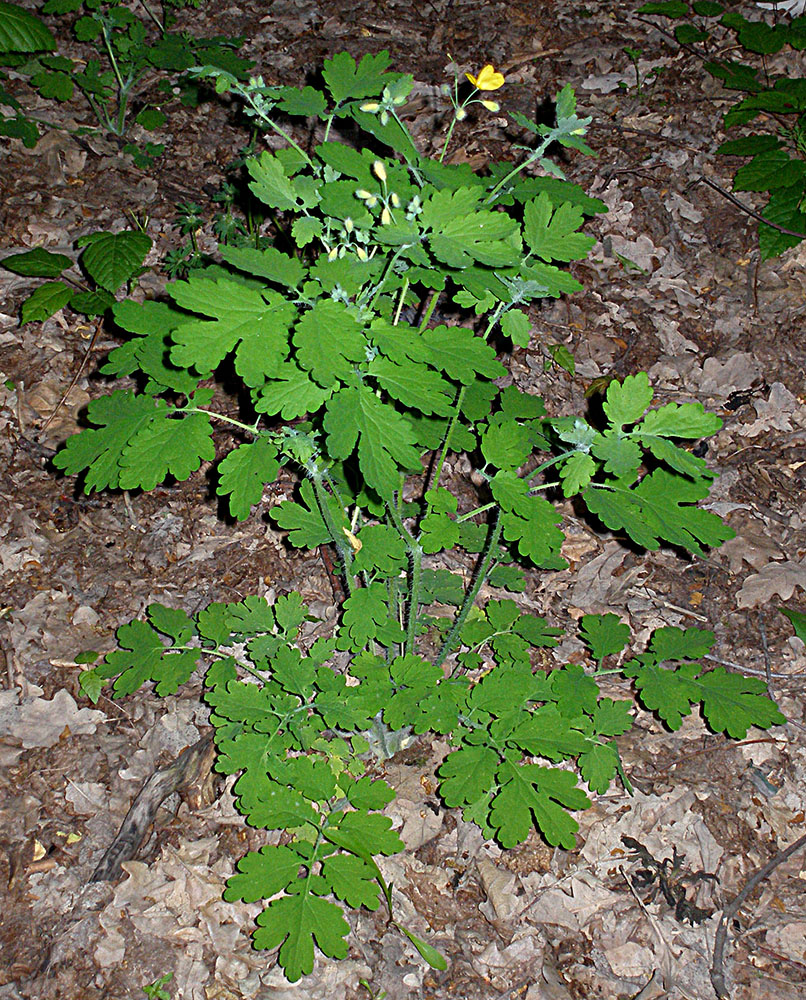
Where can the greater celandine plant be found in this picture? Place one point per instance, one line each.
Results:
(369, 407)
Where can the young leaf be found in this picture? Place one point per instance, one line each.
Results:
(626, 401)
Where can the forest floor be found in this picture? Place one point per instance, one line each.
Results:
(674, 286)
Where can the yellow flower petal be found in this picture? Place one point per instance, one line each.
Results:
(488, 78)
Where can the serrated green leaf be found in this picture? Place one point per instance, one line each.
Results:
(118, 418)
(173, 622)
(365, 834)
(45, 301)
(291, 393)
(506, 444)
(673, 643)
(113, 258)
(382, 551)
(352, 880)
(165, 446)
(142, 656)
(459, 353)
(668, 692)
(546, 733)
(365, 616)
(304, 101)
(660, 508)
(517, 326)
(414, 386)
(467, 774)
(612, 718)
(576, 472)
(530, 793)
(554, 236)
(329, 342)
(732, 703)
(627, 401)
(295, 922)
(269, 182)
(303, 521)
(245, 472)
(37, 263)
(263, 873)
(266, 263)
(255, 325)
(599, 765)
(386, 442)
(574, 690)
(347, 81)
(604, 634)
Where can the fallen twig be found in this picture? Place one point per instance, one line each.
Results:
(717, 971)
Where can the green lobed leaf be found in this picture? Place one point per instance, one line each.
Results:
(347, 81)
(164, 446)
(627, 401)
(245, 472)
(660, 508)
(604, 634)
(269, 182)
(530, 794)
(253, 324)
(386, 442)
(294, 922)
(98, 451)
(329, 342)
(303, 521)
(551, 234)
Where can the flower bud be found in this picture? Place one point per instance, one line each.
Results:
(395, 199)
(370, 106)
(386, 216)
(333, 253)
(361, 253)
(349, 225)
(491, 105)
(379, 170)
(363, 194)
(461, 114)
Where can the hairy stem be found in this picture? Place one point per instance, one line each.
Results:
(415, 551)
(488, 554)
(339, 540)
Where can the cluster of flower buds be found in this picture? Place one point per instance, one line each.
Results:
(351, 240)
(389, 200)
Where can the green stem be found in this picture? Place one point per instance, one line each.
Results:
(401, 301)
(339, 539)
(487, 557)
(456, 411)
(386, 273)
(153, 16)
(429, 312)
(415, 551)
(220, 416)
(272, 124)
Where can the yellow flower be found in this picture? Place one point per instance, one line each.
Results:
(488, 78)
